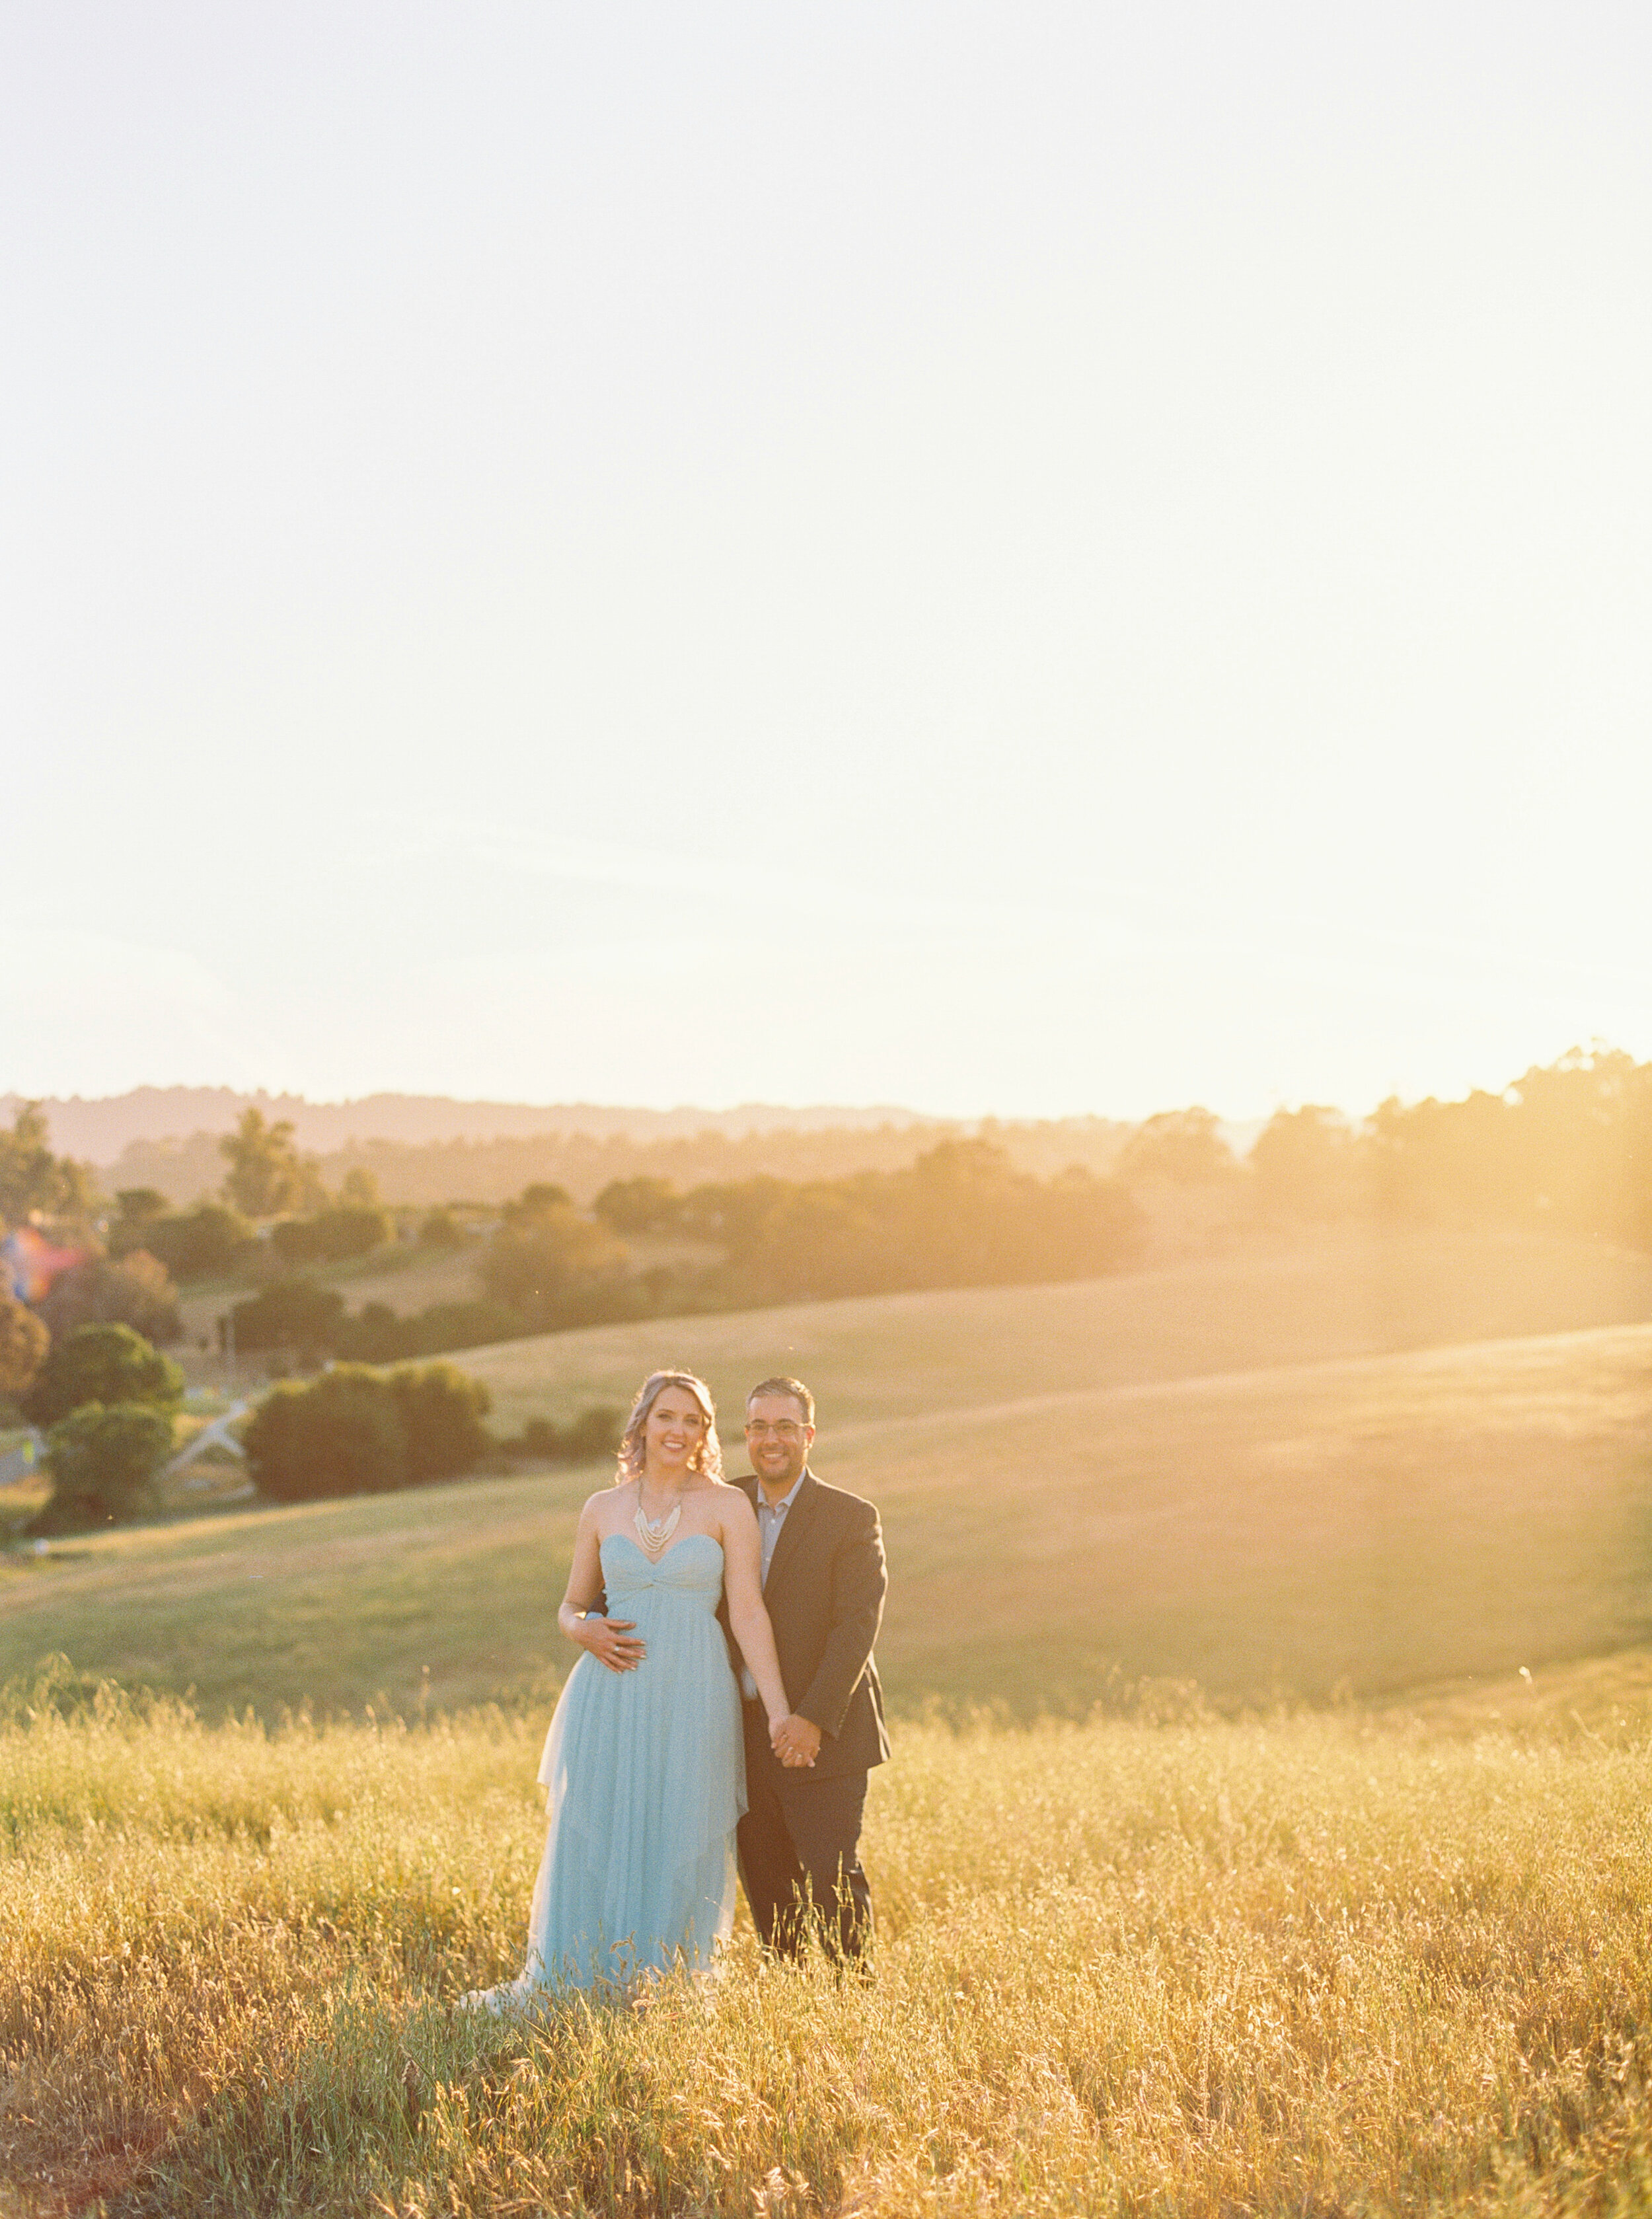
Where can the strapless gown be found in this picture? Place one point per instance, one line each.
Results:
(645, 1773)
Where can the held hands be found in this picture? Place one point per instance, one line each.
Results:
(795, 1740)
(612, 1642)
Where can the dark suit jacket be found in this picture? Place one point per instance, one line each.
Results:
(824, 1595)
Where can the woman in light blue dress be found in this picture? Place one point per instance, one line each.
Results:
(644, 1764)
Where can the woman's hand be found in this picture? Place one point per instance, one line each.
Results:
(612, 1642)
(609, 1640)
(795, 1740)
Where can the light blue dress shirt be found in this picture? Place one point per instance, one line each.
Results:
(770, 1518)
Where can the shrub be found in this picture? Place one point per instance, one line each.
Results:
(103, 1460)
(442, 1409)
(23, 1343)
(441, 1229)
(1183, 1147)
(291, 1314)
(136, 1292)
(342, 1434)
(960, 1215)
(333, 1235)
(141, 1205)
(106, 1363)
(461, 1325)
(377, 1335)
(640, 1205)
(359, 1432)
(594, 1432)
(202, 1243)
(551, 1267)
(554, 1265)
(541, 1200)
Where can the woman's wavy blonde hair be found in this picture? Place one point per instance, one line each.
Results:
(707, 1458)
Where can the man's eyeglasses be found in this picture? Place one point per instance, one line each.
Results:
(785, 1429)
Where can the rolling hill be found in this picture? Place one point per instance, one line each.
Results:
(1382, 1464)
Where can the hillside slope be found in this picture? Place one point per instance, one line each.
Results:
(1208, 1474)
(1358, 1294)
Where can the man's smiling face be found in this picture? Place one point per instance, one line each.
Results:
(778, 1437)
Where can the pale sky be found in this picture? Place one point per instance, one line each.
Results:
(1029, 558)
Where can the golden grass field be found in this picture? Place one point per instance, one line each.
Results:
(1361, 1928)
(1314, 1963)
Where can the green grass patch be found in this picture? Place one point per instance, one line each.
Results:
(1188, 1476)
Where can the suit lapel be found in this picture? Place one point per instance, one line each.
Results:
(798, 1519)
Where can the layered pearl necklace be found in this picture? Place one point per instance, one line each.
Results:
(655, 1535)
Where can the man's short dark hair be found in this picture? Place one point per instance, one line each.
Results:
(794, 1388)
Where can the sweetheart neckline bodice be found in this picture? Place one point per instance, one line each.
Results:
(654, 1563)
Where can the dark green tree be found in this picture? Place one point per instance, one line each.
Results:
(442, 1409)
(136, 1292)
(104, 1459)
(548, 1261)
(441, 1229)
(536, 1204)
(23, 1343)
(333, 1235)
(1307, 1164)
(141, 1205)
(106, 1363)
(33, 1179)
(265, 1176)
(342, 1434)
(202, 1243)
(640, 1205)
(1182, 1147)
(293, 1314)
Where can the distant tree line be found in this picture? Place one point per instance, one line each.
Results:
(73, 1363)
(959, 1216)
(1566, 1149)
(488, 1173)
(962, 1215)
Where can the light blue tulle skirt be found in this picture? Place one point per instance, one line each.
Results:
(645, 1779)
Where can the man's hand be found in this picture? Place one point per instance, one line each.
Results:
(612, 1642)
(796, 1741)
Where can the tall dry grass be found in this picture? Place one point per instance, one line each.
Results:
(1309, 1965)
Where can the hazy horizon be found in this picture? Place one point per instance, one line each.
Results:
(1069, 563)
(101, 1125)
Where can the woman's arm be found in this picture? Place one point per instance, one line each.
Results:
(609, 1640)
(743, 1583)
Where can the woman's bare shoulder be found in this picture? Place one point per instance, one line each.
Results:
(605, 1499)
(732, 1501)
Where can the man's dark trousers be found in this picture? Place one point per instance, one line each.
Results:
(799, 1850)
(799, 1840)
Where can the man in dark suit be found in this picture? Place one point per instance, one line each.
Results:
(823, 1582)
